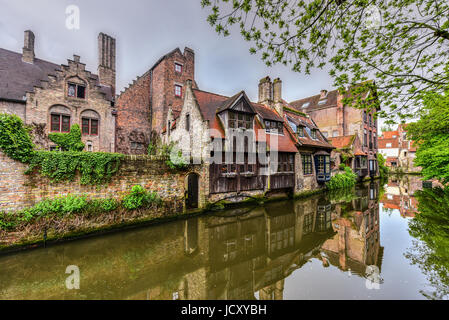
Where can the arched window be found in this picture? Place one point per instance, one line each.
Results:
(60, 118)
(90, 123)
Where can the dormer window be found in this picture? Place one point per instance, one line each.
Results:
(313, 133)
(300, 131)
(274, 127)
(239, 120)
(178, 67)
(305, 105)
(321, 102)
(76, 91)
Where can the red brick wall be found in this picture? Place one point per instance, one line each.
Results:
(164, 80)
(143, 108)
(133, 117)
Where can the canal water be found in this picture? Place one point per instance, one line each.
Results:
(346, 245)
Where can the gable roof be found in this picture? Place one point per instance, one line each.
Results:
(231, 102)
(210, 104)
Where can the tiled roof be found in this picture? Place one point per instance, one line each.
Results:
(342, 142)
(298, 119)
(389, 135)
(209, 103)
(316, 102)
(266, 112)
(18, 77)
(382, 143)
(311, 103)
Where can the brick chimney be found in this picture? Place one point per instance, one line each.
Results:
(28, 47)
(265, 91)
(106, 61)
(277, 96)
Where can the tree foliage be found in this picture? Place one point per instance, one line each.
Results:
(383, 169)
(431, 227)
(401, 44)
(431, 136)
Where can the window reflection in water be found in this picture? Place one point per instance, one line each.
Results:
(216, 256)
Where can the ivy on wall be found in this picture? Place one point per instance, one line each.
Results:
(68, 141)
(94, 167)
(15, 140)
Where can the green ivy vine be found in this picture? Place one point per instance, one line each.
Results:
(93, 167)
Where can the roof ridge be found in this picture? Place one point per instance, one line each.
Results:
(216, 94)
(39, 59)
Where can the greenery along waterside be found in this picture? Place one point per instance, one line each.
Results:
(347, 179)
(73, 205)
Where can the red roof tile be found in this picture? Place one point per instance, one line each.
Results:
(342, 142)
(209, 103)
(389, 135)
(298, 119)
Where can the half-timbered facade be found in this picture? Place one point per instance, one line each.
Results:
(245, 146)
(248, 148)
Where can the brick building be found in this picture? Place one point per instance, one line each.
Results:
(398, 150)
(389, 146)
(51, 98)
(216, 130)
(143, 106)
(335, 119)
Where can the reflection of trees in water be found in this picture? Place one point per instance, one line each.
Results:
(431, 226)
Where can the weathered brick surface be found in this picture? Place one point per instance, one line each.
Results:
(18, 190)
(143, 107)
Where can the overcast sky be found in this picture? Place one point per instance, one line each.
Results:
(145, 30)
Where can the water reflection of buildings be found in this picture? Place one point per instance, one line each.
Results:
(241, 254)
(399, 195)
(356, 244)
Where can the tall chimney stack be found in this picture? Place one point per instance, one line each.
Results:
(277, 96)
(106, 61)
(28, 47)
(265, 91)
